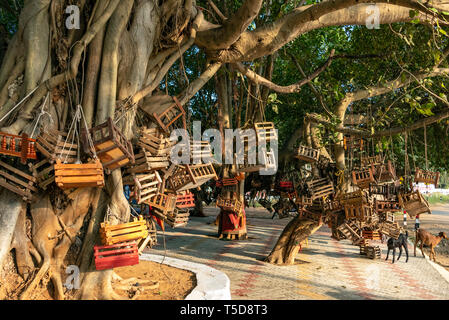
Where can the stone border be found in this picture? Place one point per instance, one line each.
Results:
(211, 283)
(442, 271)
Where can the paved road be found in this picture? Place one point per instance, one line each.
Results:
(326, 269)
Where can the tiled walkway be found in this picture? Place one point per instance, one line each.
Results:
(326, 269)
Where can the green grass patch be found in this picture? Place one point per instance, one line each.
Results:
(437, 198)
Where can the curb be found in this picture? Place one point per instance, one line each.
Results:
(442, 271)
(211, 283)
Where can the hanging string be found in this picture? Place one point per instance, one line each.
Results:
(126, 111)
(18, 104)
(407, 164)
(425, 146)
(392, 151)
(413, 153)
(41, 114)
(68, 135)
(132, 209)
(89, 138)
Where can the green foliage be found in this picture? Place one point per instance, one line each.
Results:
(437, 198)
(365, 58)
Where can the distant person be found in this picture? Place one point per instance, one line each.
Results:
(417, 222)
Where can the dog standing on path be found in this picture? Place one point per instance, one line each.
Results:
(428, 239)
(400, 243)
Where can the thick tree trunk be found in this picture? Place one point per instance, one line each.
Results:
(10, 210)
(288, 244)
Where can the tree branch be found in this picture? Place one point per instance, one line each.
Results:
(269, 38)
(217, 11)
(314, 90)
(254, 77)
(383, 133)
(224, 36)
(171, 60)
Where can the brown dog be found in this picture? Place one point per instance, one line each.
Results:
(426, 238)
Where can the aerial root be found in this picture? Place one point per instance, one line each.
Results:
(135, 287)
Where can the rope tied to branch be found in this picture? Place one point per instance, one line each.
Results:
(41, 114)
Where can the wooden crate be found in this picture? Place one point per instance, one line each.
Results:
(307, 154)
(332, 206)
(185, 200)
(354, 198)
(17, 181)
(265, 132)
(230, 204)
(303, 201)
(319, 188)
(54, 144)
(386, 217)
(201, 152)
(165, 203)
(383, 206)
(389, 190)
(111, 146)
(146, 186)
(350, 143)
(349, 230)
(371, 235)
(384, 172)
(286, 185)
(191, 176)
(113, 234)
(373, 252)
(268, 163)
(114, 256)
(362, 178)
(368, 161)
(178, 218)
(426, 176)
(69, 176)
(172, 118)
(155, 141)
(390, 229)
(145, 162)
(414, 203)
(361, 212)
(44, 172)
(363, 244)
(226, 182)
(151, 240)
(18, 146)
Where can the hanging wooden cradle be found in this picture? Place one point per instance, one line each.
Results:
(113, 234)
(117, 255)
(191, 176)
(145, 185)
(185, 200)
(169, 118)
(414, 203)
(17, 181)
(426, 176)
(155, 141)
(230, 204)
(111, 146)
(18, 146)
(265, 132)
(319, 188)
(307, 154)
(83, 175)
(363, 178)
